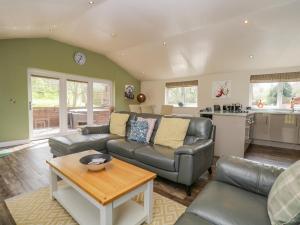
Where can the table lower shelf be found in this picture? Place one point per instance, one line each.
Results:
(85, 213)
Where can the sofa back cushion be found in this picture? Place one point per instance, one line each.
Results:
(200, 128)
(284, 197)
(171, 132)
(118, 123)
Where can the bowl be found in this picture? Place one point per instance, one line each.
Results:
(96, 166)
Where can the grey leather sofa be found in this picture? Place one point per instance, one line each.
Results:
(183, 165)
(238, 196)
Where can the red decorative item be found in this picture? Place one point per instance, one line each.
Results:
(141, 98)
(260, 104)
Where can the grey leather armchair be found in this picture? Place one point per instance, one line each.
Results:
(237, 196)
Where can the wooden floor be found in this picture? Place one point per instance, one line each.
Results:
(25, 170)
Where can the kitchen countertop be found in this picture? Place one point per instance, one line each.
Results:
(227, 113)
(252, 112)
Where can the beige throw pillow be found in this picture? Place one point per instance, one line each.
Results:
(284, 197)
(118, 124)
(171, 132)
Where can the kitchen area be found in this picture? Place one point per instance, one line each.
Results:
(236, 128)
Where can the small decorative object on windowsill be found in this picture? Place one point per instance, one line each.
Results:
(260, 104)
(180, 104)
(141, 98)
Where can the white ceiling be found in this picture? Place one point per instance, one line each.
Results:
(202, 36)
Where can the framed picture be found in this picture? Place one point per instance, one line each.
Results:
(129, 91)
(221, 89)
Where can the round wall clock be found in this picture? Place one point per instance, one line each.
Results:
(80, 58)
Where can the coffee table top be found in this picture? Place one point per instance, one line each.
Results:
(107, 185)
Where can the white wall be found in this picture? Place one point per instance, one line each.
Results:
(155, 90)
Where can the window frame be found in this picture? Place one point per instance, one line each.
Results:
(279, 104)
(182, 87)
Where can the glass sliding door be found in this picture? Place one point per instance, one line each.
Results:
(44, 106)
(61, 103)
(77, 104)
(101, 103)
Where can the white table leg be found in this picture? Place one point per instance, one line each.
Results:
(148, 201)
(106, 216)
(53, 182)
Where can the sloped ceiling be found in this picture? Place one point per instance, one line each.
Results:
(163, 39)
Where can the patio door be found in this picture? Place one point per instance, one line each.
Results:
(62, 103)
(44, 106)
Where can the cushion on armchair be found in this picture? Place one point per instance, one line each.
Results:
(284, 197)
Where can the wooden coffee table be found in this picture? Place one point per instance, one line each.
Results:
(101, 197)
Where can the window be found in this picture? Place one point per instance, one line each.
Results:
(61, 103)
(274, 90)
(182, 93)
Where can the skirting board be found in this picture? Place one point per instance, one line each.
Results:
(276, 144)
(13, 143)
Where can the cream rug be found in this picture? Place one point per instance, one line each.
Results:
(36, 208)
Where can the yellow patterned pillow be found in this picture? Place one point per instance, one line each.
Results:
(118, 124)
(171, 132)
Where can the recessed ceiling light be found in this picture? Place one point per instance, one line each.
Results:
(91, 2)
(251, 56)
(164, 43)
(113, 34)
(246, 21)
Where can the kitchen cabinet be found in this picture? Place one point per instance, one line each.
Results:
(284, 128)
(261, 130)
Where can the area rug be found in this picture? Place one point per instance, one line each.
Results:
(36, 208)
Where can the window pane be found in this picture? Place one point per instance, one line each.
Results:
(190, 96)
(174, 96)
(290, 90)
(101, 103)
(77, 104)
(185, 95)
(45, 106)
(266, 92)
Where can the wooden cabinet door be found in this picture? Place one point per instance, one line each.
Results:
(261, 126)
(283, 128)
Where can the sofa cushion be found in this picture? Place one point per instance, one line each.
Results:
(77, 142)
(191, 219)
(224, 204)
(118, 123)
(171, 132)
(284, 197)
(123, 147)
(157, 156)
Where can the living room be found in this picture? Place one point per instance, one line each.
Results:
(149, 112)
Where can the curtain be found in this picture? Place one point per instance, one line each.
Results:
(182, 84)
(275, 77)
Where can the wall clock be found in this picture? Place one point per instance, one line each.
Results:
(79, 58)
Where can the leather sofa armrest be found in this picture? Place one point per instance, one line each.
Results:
(194, 148)
(246, 174)
(101, 129)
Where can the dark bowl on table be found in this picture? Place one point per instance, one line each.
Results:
(86, 160)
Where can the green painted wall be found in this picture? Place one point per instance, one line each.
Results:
(19, 54)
